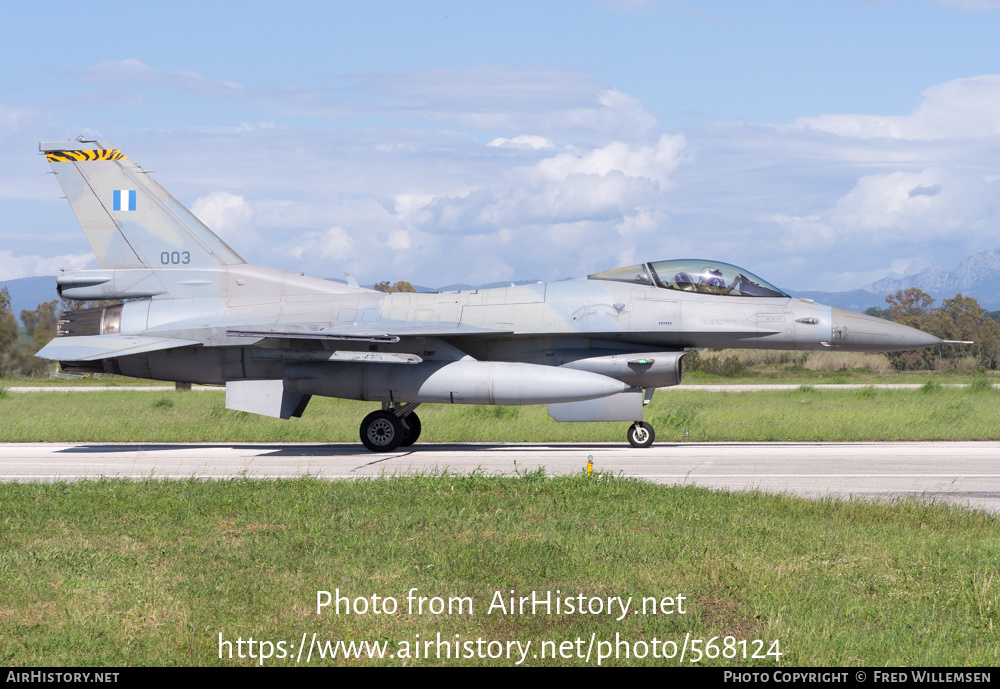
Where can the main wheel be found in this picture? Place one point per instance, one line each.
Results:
(411, 429)
(640, 434)
(381, 431)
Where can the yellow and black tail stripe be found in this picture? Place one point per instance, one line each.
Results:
(78, 156)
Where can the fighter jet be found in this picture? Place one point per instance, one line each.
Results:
(592, 349)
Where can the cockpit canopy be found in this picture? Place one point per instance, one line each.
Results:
(694, 275)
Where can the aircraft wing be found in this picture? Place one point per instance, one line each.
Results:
(95, 347)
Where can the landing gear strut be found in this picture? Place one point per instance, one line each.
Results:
(640, 434)
(411, 429)
(390, 428)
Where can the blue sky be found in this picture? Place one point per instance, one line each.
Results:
(822, 145)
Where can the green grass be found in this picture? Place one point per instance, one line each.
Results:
(102, 381)
(151, 573)
(931, 387)
(804, 376)
(805, 414)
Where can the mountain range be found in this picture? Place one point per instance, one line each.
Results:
(978, 277)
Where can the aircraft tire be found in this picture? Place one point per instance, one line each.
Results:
(411, 429)
(641, 434)
(382, 431)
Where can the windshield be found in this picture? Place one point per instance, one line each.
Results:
(694, 275)
(636, 274)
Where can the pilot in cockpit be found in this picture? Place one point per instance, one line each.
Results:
(713, 278)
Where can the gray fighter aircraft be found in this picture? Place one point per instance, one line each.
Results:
(592, 349)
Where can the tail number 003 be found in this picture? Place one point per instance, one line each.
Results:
(175, 258)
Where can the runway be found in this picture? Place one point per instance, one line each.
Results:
(961, 473)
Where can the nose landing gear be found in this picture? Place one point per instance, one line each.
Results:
(641, 434)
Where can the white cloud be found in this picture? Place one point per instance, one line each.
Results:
(335, 244)
(25, 266)
(628, 107)
(365, 240)
(226, 214)
(911, 207)
(886, 215)
(407, 204)
(524, 141)
(604, 184)
(963, 109)
(475, 213)
(399, 240)
(806, 234)
(655, 162)
(434, 204)
(22, 169)
(131, 72)
(548, 101)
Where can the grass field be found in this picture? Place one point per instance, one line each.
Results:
(930, 413)
(152, 573)
(113, 573)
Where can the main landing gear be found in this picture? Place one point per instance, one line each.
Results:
(396, 426)
(390, 428)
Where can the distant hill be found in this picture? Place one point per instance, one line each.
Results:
(28, 293)
(857, 300)
(491, 285)
(978, 276)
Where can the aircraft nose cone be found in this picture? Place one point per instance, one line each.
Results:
(857, 332)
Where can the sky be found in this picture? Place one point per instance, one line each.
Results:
(821, 145)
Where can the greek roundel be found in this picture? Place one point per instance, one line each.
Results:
(124, 200)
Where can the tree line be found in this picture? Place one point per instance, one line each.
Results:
(17, 348)
(960, 318)
(18, 344)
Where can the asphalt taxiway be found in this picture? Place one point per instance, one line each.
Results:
(962, 473)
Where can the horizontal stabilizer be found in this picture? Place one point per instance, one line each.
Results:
(95, 347)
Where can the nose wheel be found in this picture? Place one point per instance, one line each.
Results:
(640, 434)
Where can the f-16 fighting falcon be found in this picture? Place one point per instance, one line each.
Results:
(592, 349)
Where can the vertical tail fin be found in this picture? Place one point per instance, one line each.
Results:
(129, 219)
